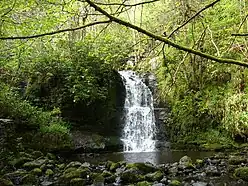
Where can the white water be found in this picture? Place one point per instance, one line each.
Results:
(139, 127)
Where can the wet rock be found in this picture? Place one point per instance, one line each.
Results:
(212, 171)
(242, 173)
(37, 171)
(49, 172)
(29, 179)
(144, 183)
(152, 177)
(74, 164)
(47, 183)
(236, 160)
(200, 184)
(175, 183)
(114, 166)
(35, 163)
(77, 182)
(6, 182)
(37, 154)
(131, 176)
(142, 167)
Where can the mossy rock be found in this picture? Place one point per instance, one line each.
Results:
(29, 179)
(6, 182)
(144, 183)
(51, 156)
(143, 167)
(37, 154)
(110, 179)
(152, 177)
(18, 162)
(175, 183)
(73, 172)
(76, 164)
(114, 166)
(49, 172)
(213, 146)
(236, 160)
(131, 176)
(97, 179)
(37, 171)
(106, 174)
(242, 173)
(199, 162)
(35, 164)
(77, 182)
(61, 166)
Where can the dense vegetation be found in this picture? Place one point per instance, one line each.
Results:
(57, 73)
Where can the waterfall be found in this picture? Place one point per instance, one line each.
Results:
(139, 120)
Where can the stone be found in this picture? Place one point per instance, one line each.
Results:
(242, 173)
(77, 182)
(6, 182)
(49, 172)
(20, 161)
(29, 179)
(35, 163)
(114, 166)
(236, 160)
(152, 177)
(74, 164)
(46, 183)
(200, 184)
(131, 176)
(143, 183)
(37, 154)
(37, 171)
(143, 167)
(73, 172)
(51, 156)
(175, 183)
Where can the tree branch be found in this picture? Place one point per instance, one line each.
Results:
(166, 40)
(240, 34)
(55, 32)
(122, 4)
(193, 17)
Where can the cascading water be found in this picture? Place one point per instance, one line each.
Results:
(139, 120)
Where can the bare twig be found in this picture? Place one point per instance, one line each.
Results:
(166, 40)
(193, 17)
(55, 32)
(123, 4)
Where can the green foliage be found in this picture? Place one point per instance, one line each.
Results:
(26, 115)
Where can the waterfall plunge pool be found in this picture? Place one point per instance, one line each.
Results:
(156, 157)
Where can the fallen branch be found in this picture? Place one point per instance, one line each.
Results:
(123, 4)
(166, 40)
(55, 32)
(240, 34)
(193, 17)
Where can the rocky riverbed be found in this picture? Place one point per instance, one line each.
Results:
(36, 168)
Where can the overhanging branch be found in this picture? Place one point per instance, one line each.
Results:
(165, 40)
(55, 32)
(193, 17)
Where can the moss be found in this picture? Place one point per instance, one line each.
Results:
(29, 179)
(36, 171)
(61, 166)
(144, 183)
(198, 161)
(18, 162)
(131, 176)
(98, 179)
(145, 168)
(175, 183)
(6, 182)
(37, 154)
(106, 174)
(77, 182)
(35, 163)
(236, 160)
(51, 156)
(73, 172)
(242, 173)
(49, 172)
(114, 166)
(156, 176)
